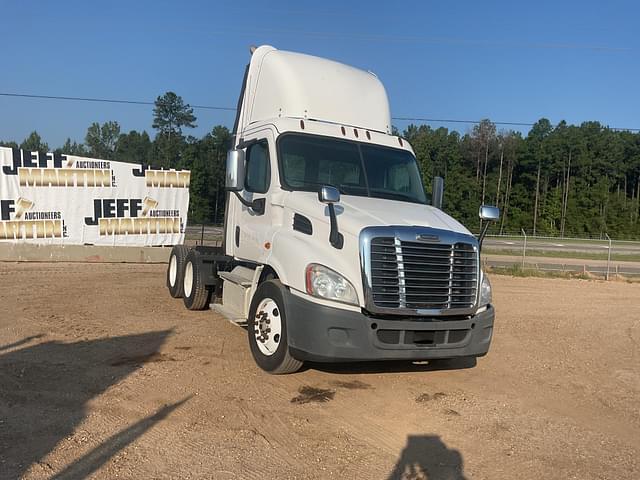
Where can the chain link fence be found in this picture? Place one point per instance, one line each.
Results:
(601, 257)
(201, 234)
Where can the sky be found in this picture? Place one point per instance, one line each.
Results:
(504, 60)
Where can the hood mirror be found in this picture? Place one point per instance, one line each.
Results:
(487, 214)
(329, 194)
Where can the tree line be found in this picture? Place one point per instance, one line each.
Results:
(562, 180)
(565, 180)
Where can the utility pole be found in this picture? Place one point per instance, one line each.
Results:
(608, 256)
(499, 176)
(565, 199)
(535, 208)
(524, 246)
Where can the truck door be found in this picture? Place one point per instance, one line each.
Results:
(252, 230)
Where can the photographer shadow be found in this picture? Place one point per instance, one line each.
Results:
(426, 457)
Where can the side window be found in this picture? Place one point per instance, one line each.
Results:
(258, 168)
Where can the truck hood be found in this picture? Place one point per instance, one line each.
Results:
(354, 213)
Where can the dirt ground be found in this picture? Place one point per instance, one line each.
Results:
(103, 375)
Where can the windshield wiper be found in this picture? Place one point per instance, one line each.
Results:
(310, 184)
(395, 196)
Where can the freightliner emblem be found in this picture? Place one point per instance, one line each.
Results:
(425, 237)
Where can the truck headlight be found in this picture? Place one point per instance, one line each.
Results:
(485, 291)
(325, 283)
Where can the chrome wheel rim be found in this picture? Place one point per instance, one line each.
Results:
(173, 270)
(188, 279)
(268, 326)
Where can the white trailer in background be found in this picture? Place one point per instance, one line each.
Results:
(332, 250)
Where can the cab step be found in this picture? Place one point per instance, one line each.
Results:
(238, 287)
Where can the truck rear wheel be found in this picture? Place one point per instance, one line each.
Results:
(197, 295)
(267, 330)
(175, 270)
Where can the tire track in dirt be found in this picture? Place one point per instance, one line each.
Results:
(337, 417)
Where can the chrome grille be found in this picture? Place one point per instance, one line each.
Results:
(416, 276)
(385, 277)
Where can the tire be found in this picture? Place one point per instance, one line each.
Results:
(175, 270)
(196, 294)
(267, 330)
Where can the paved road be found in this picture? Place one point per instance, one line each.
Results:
(576, 265)
(562, 245)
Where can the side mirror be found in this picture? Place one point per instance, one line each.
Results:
(488, 213)
(437, 192)
(329, 194)
(234, 180)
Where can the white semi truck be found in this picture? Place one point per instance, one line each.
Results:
(332, 251)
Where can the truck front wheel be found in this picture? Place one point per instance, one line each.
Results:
(267, 330)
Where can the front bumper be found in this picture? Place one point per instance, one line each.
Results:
(326, 334)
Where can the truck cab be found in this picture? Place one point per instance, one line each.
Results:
(332, 250)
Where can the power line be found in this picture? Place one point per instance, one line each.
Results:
(231, 109)
(105, 100)
(450, 120)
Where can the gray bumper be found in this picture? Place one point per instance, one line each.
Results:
(325, 334)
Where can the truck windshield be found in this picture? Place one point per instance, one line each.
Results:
(308, 162)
